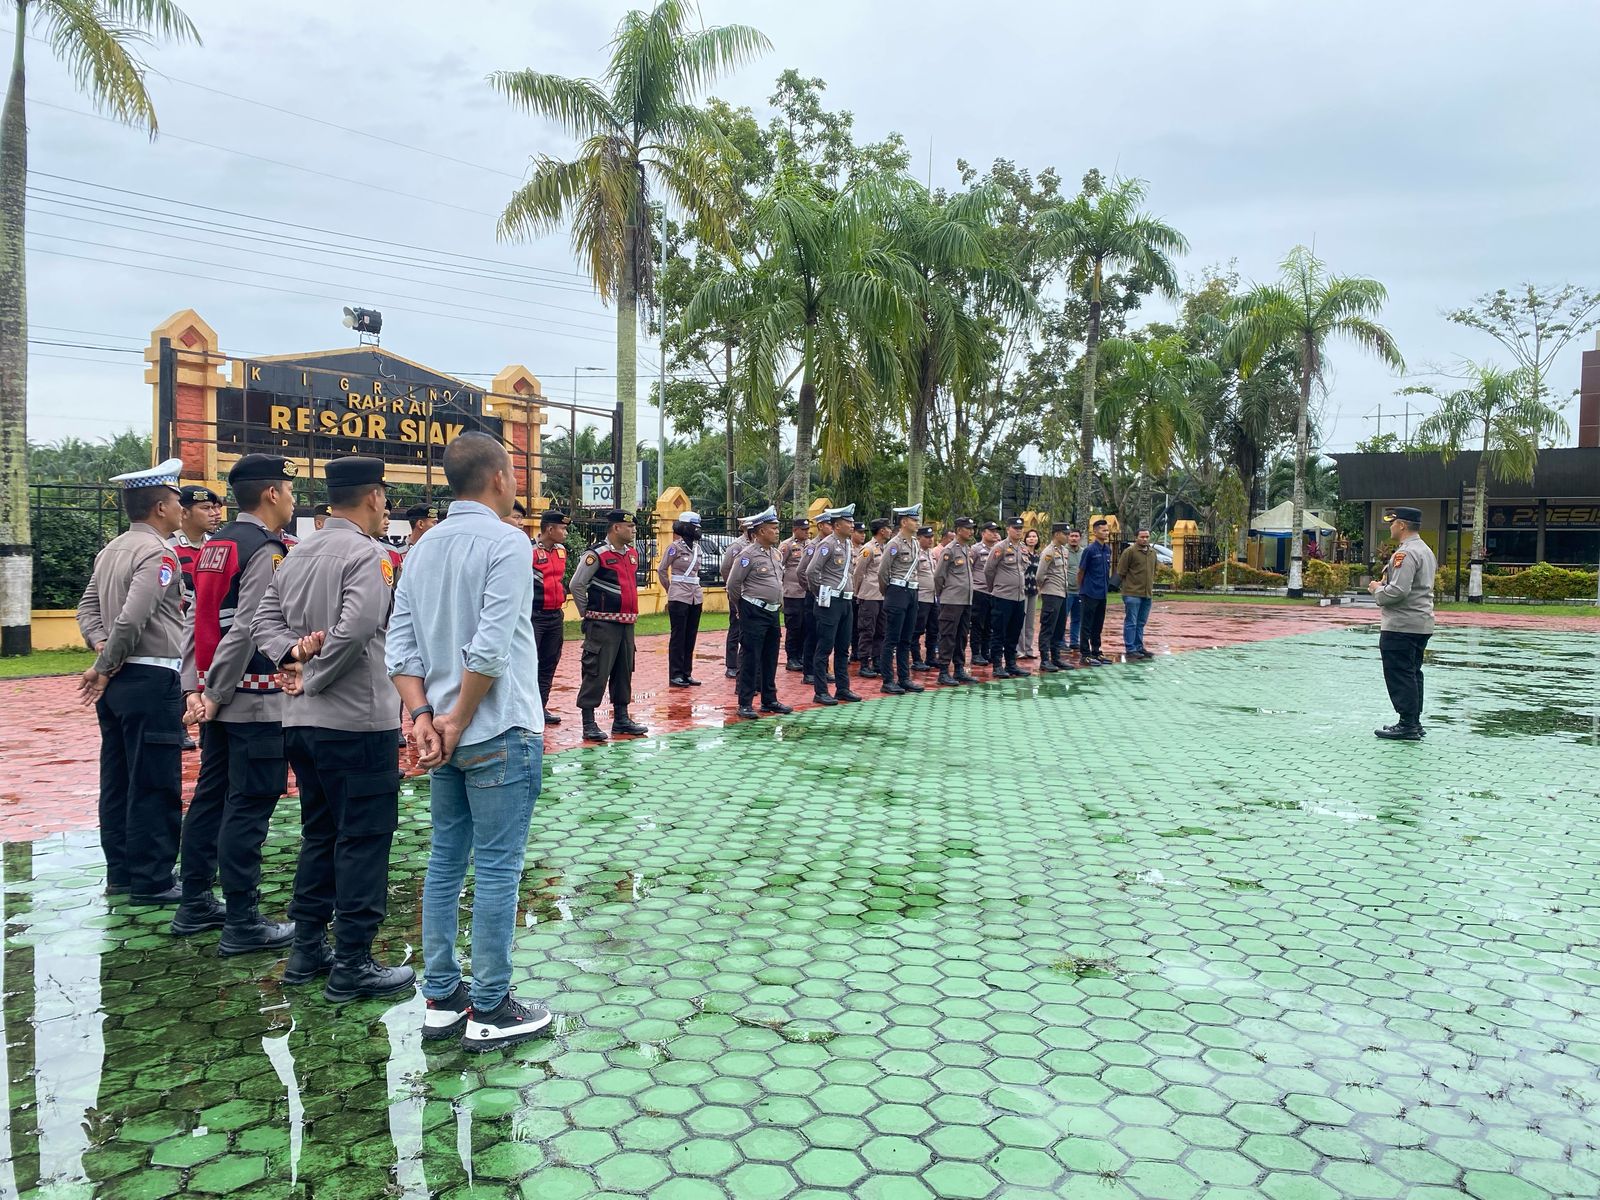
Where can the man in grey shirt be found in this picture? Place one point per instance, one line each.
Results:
(462, 654)
(1405, 594)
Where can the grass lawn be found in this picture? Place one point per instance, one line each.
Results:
(74, 662)
(1533, 610)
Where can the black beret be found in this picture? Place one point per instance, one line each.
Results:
(1016, 523)
(419, 512)
(616, 516)
(191, 494)
(261, 467)
(552, 516)
(963, 523)
(519, 508)
(320, 510)
(353, 471)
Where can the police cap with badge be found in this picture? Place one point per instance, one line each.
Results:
(191, 494)
(262, 468)
(353, 471)
(911, 510)
(963, 523)
(163, 474)
(767, 517)
(845, 512)
(1412, 516)
(1016, 523)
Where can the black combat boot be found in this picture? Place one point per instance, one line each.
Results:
(246, 931)
(1407, 729)
(311, 956)
(356, 974)
(591, 731)
(946, 679)
(965, 676)
(823, 698)
(621, 722)
(197, 914)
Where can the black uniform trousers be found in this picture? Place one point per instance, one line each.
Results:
(794, 628)
(607, 659)
(349, 809)
(548, 636)
(684, 620)
(954, 628)
(899, 620)
(808, 644)
(730, 648)
(141, 777)
(835, 624)
(229, 833)
(979, 621)
(925, 632)
(1091, 623)
(1402, 671)
(759, 635)
(1005, 630)
(869, 630)
(1052, 626)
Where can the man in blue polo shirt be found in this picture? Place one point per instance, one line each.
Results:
(1094, 583)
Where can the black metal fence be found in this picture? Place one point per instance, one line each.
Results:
(71, 522)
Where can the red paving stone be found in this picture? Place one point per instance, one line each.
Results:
(50, 745)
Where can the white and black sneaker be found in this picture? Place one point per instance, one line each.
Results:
(444, 1018)
(512, 1022)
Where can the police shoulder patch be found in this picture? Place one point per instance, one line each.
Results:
(277, 561)
(166, 572)
(744, 562)
(893, 550)
(1399, 557)
(591, 558)
(386, 566)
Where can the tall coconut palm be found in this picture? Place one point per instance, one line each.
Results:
(1096, 234)
(636, 127)
(1149, 407)
(1499, 414)
(828, 306)
(98, 40)
(1301, 313)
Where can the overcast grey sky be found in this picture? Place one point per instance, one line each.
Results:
(1444, 148)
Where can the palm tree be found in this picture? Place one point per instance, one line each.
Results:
(97, 39)
(1149, 406)
(1301, 313)
(1097, 233)
(1500, 414)
(827, 297)
(636, 127)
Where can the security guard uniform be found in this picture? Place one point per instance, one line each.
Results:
(898, 577)
(549, 601)
(980, 619)
(606, 589)
(1054, 580)
(952, 580)
(792, 555)
(131, 614)
(1005, 570)
(243, 767)
(680, 576)
(829, 576)
(340, 732)
(869, 601)
(755, 584)
(730, 648)
(1405, 595)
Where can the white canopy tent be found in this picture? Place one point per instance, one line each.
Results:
(1278, 522)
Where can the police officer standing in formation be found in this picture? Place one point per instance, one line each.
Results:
(680, 575)
(925, 630)
(898, 577)
(202, 513)
(952, 580)
(323, 618)
(869, 600)
(730, 648)
(829, 577)
(1404, 593)
(605, 588)
(421, 518)
(131, 615)
(549, 595)
(988, 535)
(1055, 579)
(792, 555)
(808, 644)
(319, 517)
(755, 586)
(1006, 570)
(243, 770)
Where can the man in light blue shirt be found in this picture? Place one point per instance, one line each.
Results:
(462, 655)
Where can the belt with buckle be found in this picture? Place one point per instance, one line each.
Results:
(762, 604)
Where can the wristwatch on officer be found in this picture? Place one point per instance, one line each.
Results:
(420, 711)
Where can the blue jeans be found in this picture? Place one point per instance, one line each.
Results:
(1074, 619)
(1135, 612)
(482, 801)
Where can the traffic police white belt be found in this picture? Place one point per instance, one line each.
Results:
(905, 583)
(695, 578)
(762, 604)
(171, 664)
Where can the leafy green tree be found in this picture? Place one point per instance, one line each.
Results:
(1148, 414)
(637, 127)
(1231, 508)
(1535, 323)
(1500, 414)
(1320, 482)
(1300, 314)
(74, 460)
(98, 42)
(1100, 230)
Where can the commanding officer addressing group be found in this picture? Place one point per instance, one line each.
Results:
(233, 690)
(1405, 594)
(323, 619)
(131, 615)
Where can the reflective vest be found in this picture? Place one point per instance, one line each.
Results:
(550, 578)
(218, 569)
(615, 586)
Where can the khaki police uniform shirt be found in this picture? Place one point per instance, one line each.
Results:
(792, 554)
(1005, 570)
(804, 569)
(338, 580)
(1406, 596)
(757, 574)
(898, 561)
(830, 567)
(925, 593)
(867, 584)
(979, 558)
(952, 579)
(1052, 575)
(680, 573)
(133, 603)
(233, 652)
(731, 555)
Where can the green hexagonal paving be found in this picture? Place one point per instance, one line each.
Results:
(1211, 967)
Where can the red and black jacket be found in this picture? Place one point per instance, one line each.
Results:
(218, 569)
(188, 555)
(614, 590)
(549, 578)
